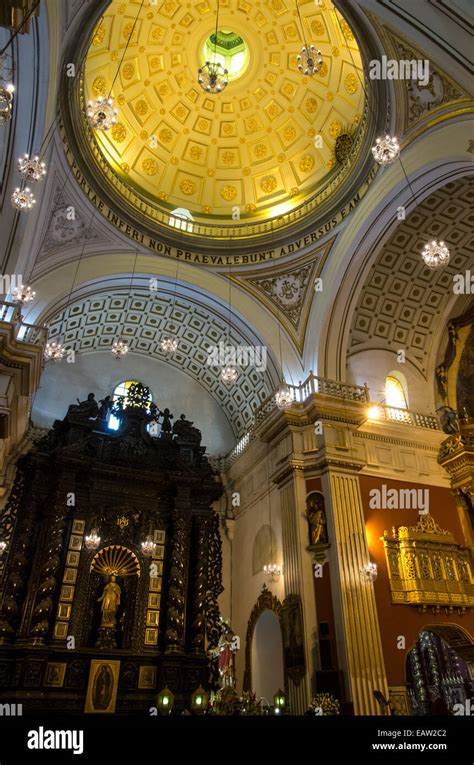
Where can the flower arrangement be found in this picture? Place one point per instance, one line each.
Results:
(324, 704)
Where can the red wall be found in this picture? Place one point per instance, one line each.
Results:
(404, 620)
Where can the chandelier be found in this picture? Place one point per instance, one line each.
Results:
(23, 199)
(6, 102)
(169, 344)
(3, 547)
(229, 375)
(92, 540)
(386, 150)
(23, 295)
(148, 547)
(435, 254)
(120, 348)
(31, 169)
(54, 352)
(283, 397)
(101, 113)
(273, 570)
(309, 60)
(213, 77)
(369, 571)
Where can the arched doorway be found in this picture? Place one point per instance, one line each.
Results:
(267, 656)
(440, 670)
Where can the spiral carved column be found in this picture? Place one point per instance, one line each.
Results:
(43, 604)
(200, 585)
(175, 628)
(16, 576)
(214, 579)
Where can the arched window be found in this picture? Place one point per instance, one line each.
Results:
(122, 390)
(396, 391)
(182, 219)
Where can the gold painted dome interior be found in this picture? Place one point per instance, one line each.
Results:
(254, 146)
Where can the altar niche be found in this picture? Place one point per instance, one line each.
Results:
(130, 572)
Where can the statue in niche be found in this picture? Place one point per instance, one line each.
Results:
(106, 405)
(316, 516)
(110, 600)
(83, 410)
(166, 424)
(448, 419)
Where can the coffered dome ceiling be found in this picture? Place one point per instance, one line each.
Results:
(251, 147)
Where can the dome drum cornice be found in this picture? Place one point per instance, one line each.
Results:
(133, 206)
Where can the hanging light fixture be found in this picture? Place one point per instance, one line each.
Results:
(169, 344)
(23, 199)
(369, 571)
(229, 375)
(310, 58)
(6, 102)
(32, 169)
(283, 396)
(23, 295)
(213, 77)
(386, 150)
(435, 254)
(54, 352)
(120, 348)
(273, 570)
(3, 547)
(101, 113)
(92, 540)
(148, 547)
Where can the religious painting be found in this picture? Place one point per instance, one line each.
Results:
(159, 537)
(147, 677)
(67, 592)
(159, 551)
(55, 672)
(293, 642)
(64, 611)
(75, 543)
(154, 600)
(102, 688)
(153, 618)
(78, 527)
(72, 558)
(70, 575)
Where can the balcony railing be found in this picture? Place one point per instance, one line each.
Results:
(27, 333)
(344, 391)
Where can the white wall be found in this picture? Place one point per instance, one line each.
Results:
(100, 373)
(267, 657)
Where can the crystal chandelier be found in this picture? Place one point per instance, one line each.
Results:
(273, 570)
(169, 344)
(31, 169)
(3, 547)
(369, 571)
(54, 352)
(212, 77)
(23, 199)
(386, 150)
(148, 547)
(6, 102)
(92, 540)
(23, 295)
(101, 113)
(229, 375)
(435, 254)
(283, 397)
(120, 348)
(309, 60)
